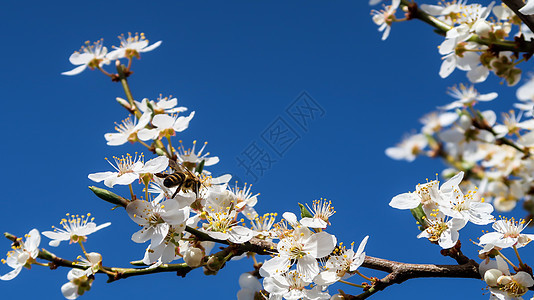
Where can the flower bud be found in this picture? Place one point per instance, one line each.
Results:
(491, 276)
(124, 103)
(482, 28)
(337, 297)
(248, 281)
(193, 257)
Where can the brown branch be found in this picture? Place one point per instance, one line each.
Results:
(400, 272)
(515, 5)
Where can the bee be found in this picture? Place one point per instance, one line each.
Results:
(182, 178)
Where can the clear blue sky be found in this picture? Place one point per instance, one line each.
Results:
(239, 65)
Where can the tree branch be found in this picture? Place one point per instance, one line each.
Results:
(515, 5)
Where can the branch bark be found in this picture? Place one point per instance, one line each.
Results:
(515, 5)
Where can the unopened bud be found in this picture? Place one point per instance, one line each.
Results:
(491, 276)
(160, 152)
(482, 28)
(249, 281)
(124, 103)
(215, 263)
(193, 257)
(337, 297)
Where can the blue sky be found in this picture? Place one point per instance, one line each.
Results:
(239, 65)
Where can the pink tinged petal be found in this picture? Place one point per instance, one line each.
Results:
(137, 210)
(75, 71)
(69, 290)
(405, 201)
(97, 177)
(163, 121)
(528, 9)
(147, 134)
(320, 244)
(115, 139)
(308, 267)
(151, 47)
(182, 123)
(11, 274)
(156, 165)
(240, 235)
(274, 266)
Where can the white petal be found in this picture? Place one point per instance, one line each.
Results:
(11, 274)
(405, 201)
(151, 47)
(320, 244)
(75, 71)
(528, 9)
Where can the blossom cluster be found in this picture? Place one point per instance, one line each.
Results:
(470, 30)
(496, 153)
(444, 210)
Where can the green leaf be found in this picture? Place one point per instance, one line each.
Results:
(200, 166)
(304, 212)
(420, 216)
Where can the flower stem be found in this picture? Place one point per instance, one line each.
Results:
(365, 277)
(352, 284)
(143, 143)
(519, 258)
(127, 91)
(83, 248)
(171, 150)
(506, 259)
(131, 192)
